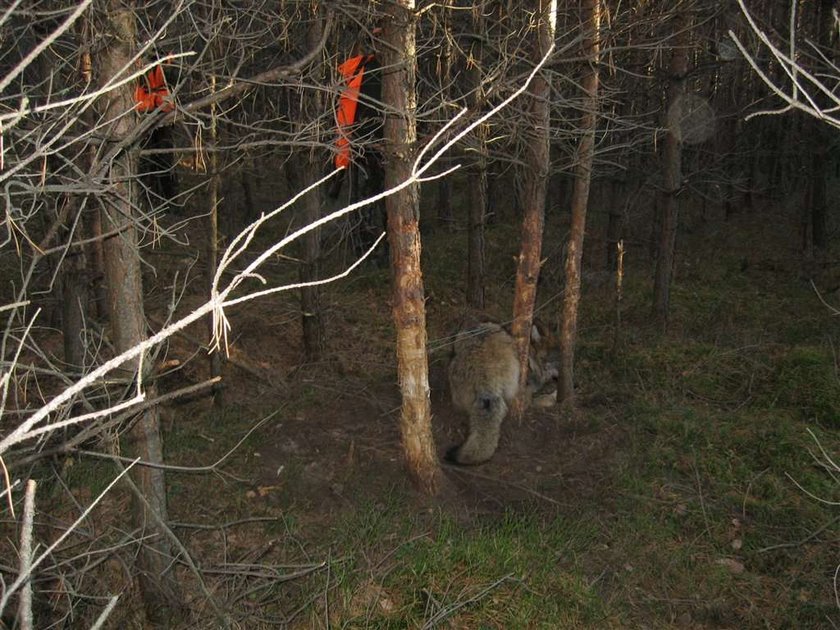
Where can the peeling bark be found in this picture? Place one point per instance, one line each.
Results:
(535, 180)
(403, 209)
(580, 200)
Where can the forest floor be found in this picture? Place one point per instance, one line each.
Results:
(683, 493)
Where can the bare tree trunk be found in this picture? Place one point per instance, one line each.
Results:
(212, 244)
(398, 93)
(96, 261)
(127, 320)
(614, 221)
(535, 179)
(478, 184)
(672, 157)
(74, 272)
(445, 215)
(819, 157)
(817, 194)
(73, 310)
(314, 338)
(299, 177)
(477, 215)
(591, 16)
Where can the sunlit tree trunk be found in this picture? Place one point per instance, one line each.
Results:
(591, 17)
(403, 208)
(127, 320)
(672, 170)
(535, 179)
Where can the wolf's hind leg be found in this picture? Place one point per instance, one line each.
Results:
(486, 418)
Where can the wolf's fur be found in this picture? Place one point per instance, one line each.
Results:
(484, 380)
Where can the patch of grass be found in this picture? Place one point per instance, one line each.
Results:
(711, 522)
(807, 381)
(93, 475)
(517, 571)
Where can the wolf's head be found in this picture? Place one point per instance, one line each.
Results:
(543, 364)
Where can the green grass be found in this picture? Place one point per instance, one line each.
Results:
(515, 571)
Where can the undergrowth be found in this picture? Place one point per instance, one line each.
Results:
(709, 514)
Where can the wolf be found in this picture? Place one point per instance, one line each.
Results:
(484, 380)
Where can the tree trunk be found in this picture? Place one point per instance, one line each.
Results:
(817, 192)
(127, 320)
(96, 260)
(819, 158)
(212, 244)
(478, 184)
(672, 171)
(535, 179)
(403, 209)
(73, 310)
(314, 338)
(445, 214)
(615, 216)
(74, 270)
(591, 18)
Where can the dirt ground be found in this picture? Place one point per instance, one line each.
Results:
(339, 424)
(339, 430)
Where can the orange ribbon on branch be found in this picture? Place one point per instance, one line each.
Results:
(151, 93)
(353, 71)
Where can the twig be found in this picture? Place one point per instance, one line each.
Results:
(89, 432)
(468, 471)
(187, 558)
(105, 613)
(243, 521)
(8, 487)
(268, 572)
(25, 599)
(700, 492)
(833, 310)
(44, 44)
(228, 359)
(448, 612)
(184, 469)
(240, 86)
(133, 410)
(22, 578)
(799, 543)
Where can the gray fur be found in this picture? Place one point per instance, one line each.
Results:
(484, 380)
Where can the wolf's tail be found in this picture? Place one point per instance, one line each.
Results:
(486, 417)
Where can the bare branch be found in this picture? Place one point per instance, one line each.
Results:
(14, 586)
(25, 560)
